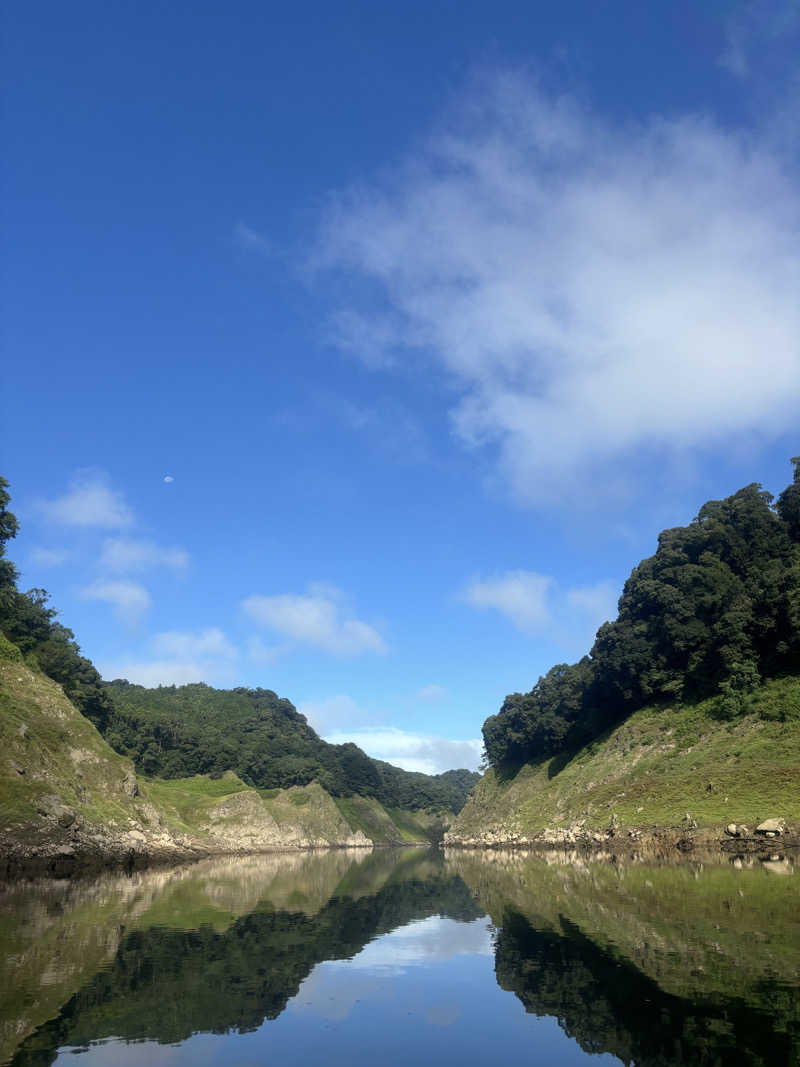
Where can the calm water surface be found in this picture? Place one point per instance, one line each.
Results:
(406, 957)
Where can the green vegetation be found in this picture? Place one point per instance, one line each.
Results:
(178, 731)
(653, 769)
(713, 613)
(30, 624)
(182, 732)
(389, 826)
(50, 752)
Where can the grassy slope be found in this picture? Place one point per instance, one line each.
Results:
(655, 768)
(52, 758)
(48, 749)
(387, 826)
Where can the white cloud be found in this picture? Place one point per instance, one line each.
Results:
(264, 654)
(129, 599)
(48, 557)
(90, 501)
(433, 692)
(335, 713)
(152, 673)
(522, 596)
(315, 618)
(122, 554)
(168, 479)
(250, 240)
(412, 751)
(178, 657)
(536, 604)
(182, 644)
(599, 294)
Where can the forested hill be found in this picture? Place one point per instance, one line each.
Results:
(713, 613)
(194, 729)
(177, 731)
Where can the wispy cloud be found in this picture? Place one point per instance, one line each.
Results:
(597, 292)
(89, 501)
(433, 692)
(522, 596)
(48, 557)
(536, 604)
(317, 618)
(263, 654)
(753, 30)
(178, 657)
(251, 240)
(200, 644)
(336, 713)
(130, 600)
(123, 555)
(412, 751)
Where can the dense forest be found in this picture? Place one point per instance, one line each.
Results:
(174, 732)
(714, 612)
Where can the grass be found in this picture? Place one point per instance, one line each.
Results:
(190, 797)
(658, 766)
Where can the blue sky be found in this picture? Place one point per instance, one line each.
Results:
(359, 350)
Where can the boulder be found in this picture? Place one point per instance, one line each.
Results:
(771, 827)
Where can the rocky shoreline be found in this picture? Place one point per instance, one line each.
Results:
(650, 840)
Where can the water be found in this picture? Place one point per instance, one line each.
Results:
(406, 958)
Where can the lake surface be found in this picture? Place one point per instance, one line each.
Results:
(406, 957)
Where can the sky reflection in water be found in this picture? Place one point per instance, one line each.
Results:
(406, 958)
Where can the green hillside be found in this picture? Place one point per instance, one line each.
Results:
(67, 798)
(651, 771)
(713, 613)
(686, 711)
(99, 769)
(176, 731)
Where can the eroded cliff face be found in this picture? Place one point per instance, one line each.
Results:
(67, 799)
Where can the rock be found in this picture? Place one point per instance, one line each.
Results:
(732, 830)
(771, 827)
(129, 785)
(51, 808)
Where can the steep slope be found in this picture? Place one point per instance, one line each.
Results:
(653, 770)
(67, 797)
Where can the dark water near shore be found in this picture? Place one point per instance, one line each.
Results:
(406, 957)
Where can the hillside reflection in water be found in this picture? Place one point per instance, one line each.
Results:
(398, 957)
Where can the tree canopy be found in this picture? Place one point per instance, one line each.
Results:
(714, 611)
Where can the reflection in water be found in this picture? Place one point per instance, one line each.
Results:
(353, 957)
(690, 963)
